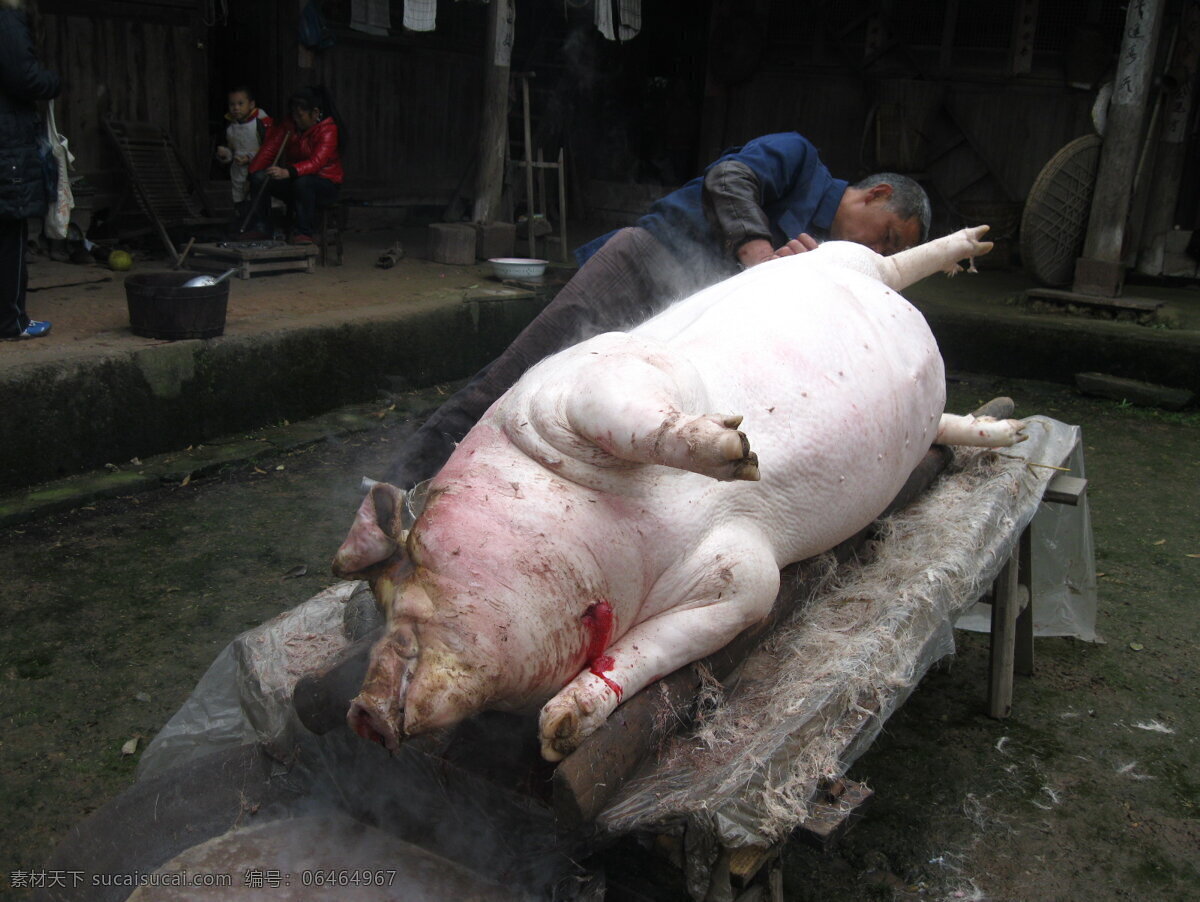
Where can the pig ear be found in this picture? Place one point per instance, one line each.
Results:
(376, 533)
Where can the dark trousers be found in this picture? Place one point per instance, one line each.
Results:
(629, 279)
(13, 277)
(303, 195)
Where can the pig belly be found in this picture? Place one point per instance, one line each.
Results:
(841, 387)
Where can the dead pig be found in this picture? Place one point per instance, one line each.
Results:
(626, 507)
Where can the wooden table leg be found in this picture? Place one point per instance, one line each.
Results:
(1023, 652)
(1006, 604)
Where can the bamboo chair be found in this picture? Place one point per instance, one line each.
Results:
(166, 190)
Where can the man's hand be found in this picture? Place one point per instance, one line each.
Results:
(759, 250)
(800, 244)
(754, 252)
(243, 157)
(278, 172)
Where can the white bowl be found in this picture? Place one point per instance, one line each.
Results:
(517, 267)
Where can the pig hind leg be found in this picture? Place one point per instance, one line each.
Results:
(980, 432)
(735, 582)
(635, 410)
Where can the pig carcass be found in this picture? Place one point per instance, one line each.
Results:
(626, 507)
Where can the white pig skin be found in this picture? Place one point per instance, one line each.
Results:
(626, 507)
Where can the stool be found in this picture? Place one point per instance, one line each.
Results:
(331, 222)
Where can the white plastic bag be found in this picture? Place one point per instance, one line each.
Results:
(60, 204)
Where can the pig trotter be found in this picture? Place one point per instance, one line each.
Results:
(710, 445)
(574, 714)
(980, 432)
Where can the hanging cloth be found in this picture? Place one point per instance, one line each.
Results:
(627, 24)
(631, 19)
(420, 15)
(604, 19)
(371, 16)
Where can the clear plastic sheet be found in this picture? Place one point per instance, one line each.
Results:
(246, 693)
(1064, 570)
(804, 706)
(815, 695)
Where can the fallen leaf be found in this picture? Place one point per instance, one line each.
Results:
(1161, 542)
(1192, 555)
(298, 570)
(130, 747)
(186, 480)
(280, 467)
(260, 470)
(112, 467)
(1136, 646)
(135, 461)
(142, 696)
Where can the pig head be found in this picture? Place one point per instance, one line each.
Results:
(626, 507)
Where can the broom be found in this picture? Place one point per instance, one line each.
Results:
(263, 187)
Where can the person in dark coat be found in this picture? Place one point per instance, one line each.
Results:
(22, 183)
(771, 197)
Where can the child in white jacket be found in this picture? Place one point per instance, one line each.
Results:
(243, 136)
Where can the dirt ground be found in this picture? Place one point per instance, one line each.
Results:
(87, 307)
(1089, 791)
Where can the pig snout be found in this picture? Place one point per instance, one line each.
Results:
(377, 712)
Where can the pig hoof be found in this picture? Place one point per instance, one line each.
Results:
(1004, 433)
(747, 469)
(734, 445)
(571, 717)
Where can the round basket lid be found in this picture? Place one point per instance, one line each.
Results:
(1054, 224)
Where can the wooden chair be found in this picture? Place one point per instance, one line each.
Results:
(166, 190)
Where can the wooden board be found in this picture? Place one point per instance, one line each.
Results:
(251, 260)
(1138, 305)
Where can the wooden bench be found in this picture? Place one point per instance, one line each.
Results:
(254, 258)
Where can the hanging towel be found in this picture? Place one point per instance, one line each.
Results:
(371, 16)
(631, 19)
(420, 15)
(604, 19)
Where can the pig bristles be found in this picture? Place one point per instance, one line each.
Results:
(844, 663)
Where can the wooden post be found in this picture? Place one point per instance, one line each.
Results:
(1023, 638)
(1006, 605)
(1163, 196)
(1100, 270)
(529, 202)
(562, 209)
(493, 132)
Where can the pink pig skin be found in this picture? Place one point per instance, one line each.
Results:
(611, 500)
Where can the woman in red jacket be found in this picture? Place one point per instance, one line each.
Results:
(307, 174)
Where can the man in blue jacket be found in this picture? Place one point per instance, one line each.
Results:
(772, 197)
(22, 184)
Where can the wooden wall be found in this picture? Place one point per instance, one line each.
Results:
(136, 59)
(413, 117)
(934, 91)
(410, 101)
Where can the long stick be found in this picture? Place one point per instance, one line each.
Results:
(263, 187)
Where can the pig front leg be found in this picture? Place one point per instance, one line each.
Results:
(979, 432)
(733, 584)
(635, 410)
